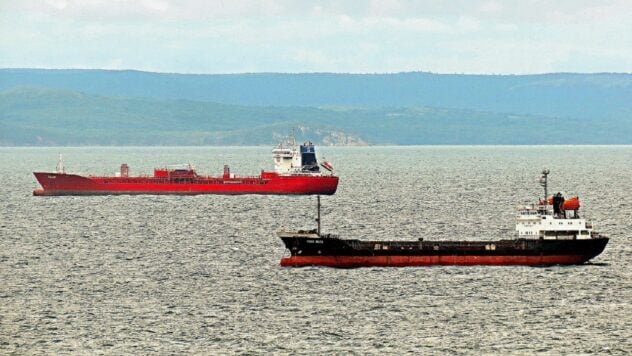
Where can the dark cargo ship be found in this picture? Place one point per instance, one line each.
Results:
(550, 232)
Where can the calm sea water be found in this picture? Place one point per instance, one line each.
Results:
(200, 274)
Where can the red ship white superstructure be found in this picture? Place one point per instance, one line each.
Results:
(296, 172)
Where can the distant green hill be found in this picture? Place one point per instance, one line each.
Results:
(43, 116)
(570, 95)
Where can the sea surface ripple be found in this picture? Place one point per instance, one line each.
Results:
(201, 274)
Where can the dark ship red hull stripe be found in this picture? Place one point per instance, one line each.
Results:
(412, 261)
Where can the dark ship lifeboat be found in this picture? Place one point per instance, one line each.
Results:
(568, 204)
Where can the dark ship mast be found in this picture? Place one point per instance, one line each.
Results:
(318, 216)
(544, 183)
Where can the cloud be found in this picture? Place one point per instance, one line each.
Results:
(473, 36)
(572, 11)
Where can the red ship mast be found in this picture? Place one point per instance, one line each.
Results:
(60, 165)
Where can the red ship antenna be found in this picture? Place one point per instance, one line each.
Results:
(292, 139)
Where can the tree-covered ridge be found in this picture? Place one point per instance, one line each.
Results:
(43, 116)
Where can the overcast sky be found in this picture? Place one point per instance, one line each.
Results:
(234, 36)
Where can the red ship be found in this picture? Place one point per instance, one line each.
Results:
(296, 172)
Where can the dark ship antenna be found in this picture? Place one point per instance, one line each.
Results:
(318, 216)
(544, 183)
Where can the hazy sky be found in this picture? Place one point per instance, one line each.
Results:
(229, 36)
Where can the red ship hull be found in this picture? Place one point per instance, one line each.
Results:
(266, 183)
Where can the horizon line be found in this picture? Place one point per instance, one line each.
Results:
(308, 72)
(345, 146)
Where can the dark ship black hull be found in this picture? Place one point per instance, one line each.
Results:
(310, 249)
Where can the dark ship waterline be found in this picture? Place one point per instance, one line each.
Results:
(548, 234)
